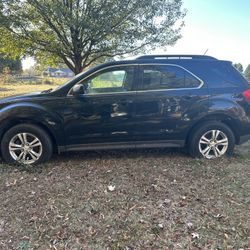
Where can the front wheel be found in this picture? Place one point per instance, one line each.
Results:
(212, 140)
(26, 144)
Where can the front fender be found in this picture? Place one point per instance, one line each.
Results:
(33, 113)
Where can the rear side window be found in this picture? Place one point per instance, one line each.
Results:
(167, 77)
(224, 72)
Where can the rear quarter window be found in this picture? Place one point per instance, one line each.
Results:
(226, 73)
(167, 77)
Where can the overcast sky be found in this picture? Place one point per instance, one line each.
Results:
(221, 26)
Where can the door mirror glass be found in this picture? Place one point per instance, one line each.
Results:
(78, 89)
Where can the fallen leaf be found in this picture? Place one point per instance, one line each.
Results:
(128, 248)
(195, 236)
(111, 188)
(218, 216)
(10, 184)
(190, 225)
(160, 225)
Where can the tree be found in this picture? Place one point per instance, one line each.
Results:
(239, 67)
(80, 32)
(13, 65)
(247, 72)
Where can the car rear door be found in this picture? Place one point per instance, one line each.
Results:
(169, 100)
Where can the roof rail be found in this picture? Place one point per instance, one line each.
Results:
(175, 57)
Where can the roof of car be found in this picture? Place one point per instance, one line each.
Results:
(180, 57)
(158, 59)
(164, 59)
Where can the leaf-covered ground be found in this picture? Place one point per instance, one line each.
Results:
(137, 199)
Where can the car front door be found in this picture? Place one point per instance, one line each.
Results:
(104, 113)
(168, 101)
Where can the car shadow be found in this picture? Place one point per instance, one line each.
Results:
(242, 151)
(81, 156)
(121, 153)
(78, 157)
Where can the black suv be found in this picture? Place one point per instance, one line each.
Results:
(152, 101)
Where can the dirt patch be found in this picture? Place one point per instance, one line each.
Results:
(151, 199)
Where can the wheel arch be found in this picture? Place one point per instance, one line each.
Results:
(223, 118)
(8, 124)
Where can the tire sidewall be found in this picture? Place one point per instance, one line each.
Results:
(202, 129)
(27, 128)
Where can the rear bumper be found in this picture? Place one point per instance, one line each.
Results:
(244, 139)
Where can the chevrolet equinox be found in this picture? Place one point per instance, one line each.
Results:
(192, 101)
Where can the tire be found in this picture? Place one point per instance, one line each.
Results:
(203, 139)
(28, 142)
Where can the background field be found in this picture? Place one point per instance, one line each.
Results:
(15, 88)
(136, 199)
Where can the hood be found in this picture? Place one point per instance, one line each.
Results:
(15, 98)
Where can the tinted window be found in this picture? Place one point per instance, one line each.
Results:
(226, 73)
(167, 77)
(118, 79)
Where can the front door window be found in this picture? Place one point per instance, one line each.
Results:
(110, 81)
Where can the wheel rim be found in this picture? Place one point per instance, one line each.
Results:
(213, 144)
(25, 148)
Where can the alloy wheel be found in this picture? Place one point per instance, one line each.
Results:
(25, 148)
(213, 144)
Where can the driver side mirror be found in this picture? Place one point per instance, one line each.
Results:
(78, 89)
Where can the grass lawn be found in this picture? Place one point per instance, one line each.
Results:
(17, 88)
(135, 199)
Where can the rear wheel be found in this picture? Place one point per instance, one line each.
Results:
(26, 144)
(212, 140)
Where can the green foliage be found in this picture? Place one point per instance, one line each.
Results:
(11, 45)
(247, 72)
(82, 32)
(10, 65)
(239, 67)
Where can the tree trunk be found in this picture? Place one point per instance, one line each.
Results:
(77, 69)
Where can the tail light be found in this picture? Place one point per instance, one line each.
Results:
(246, 95)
